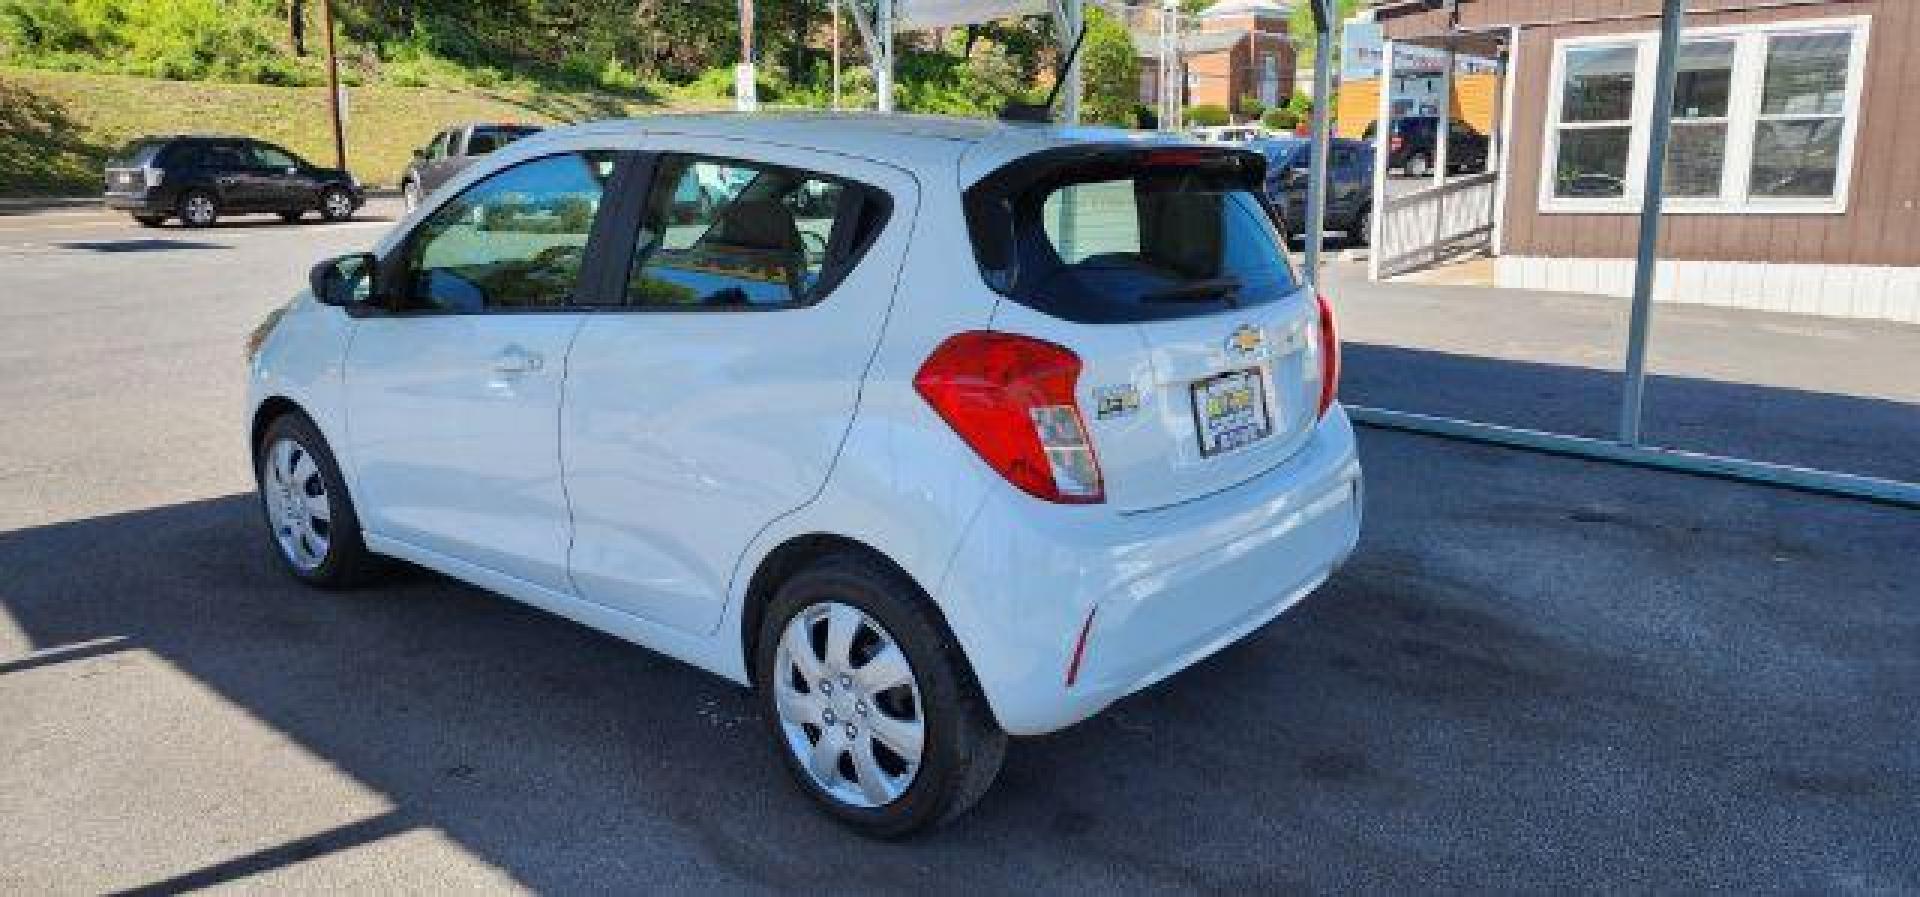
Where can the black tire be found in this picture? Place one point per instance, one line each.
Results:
(150, 220)
(292, 215)
(336, 204)
(347, 562)
(193, 213)
(963, 745)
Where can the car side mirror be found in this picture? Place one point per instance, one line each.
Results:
(346, 282)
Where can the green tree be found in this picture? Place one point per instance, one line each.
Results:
(1300, 26)
(1109, 71)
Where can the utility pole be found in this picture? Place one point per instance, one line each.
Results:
(297, 27)
(333, 89)
(745, 97)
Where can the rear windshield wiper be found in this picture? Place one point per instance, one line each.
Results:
(1221, 288)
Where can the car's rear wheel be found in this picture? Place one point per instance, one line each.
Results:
(311, 521)
(150, 220)
(871, 701)
(198, 209)
(336, 204)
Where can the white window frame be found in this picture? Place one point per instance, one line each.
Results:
(1743, 115)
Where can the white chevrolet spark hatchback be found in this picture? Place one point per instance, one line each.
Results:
(932, 431)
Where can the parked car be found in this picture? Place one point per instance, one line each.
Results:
(1411, 148)
(198, 179)
(1349, 183)
(450, 152)
(1025, 420)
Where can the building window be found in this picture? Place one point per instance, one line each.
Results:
(1596, 121)
(1697, 147)
(1803, 111)
(1763, 119)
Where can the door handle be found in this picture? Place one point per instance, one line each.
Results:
(517, 360)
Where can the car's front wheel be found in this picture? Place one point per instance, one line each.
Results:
(871, 701)
(312, 523)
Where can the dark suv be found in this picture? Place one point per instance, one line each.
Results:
(200, 178)
(1411, 149)
(451, 151)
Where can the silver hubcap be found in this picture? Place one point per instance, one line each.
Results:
(297, 504)
(338, 205)
(199, 209)
(849, 704)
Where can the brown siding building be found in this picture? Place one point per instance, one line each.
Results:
(1794, 169)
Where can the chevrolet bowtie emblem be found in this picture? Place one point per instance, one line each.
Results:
(1246, 340)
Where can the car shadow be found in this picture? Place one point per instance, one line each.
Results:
(150, 245)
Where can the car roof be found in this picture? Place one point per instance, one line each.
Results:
(923, 144)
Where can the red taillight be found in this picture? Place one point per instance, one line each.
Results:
(1012, 399)
(1329, 356)
(1397, 142)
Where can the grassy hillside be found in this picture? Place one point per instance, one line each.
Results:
(58, 128)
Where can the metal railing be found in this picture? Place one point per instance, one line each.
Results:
(1427, 226)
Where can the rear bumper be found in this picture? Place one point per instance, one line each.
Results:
(147, 202)
(1164, 588)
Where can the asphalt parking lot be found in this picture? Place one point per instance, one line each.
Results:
(1537, 674)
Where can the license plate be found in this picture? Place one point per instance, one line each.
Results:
(1230, 411)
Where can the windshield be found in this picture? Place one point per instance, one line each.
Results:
(1129, 235)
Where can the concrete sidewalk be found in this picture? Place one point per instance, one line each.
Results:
(1831, 393)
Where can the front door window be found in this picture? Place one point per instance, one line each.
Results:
(515, 240)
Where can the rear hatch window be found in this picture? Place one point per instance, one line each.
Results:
(139, 154)
(1162, 270)
(486, 140)
(1122, 235)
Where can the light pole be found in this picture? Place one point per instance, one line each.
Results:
(745, 93)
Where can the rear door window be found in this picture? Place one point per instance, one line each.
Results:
(1130, 235)
(732, 234)
(225, 156)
